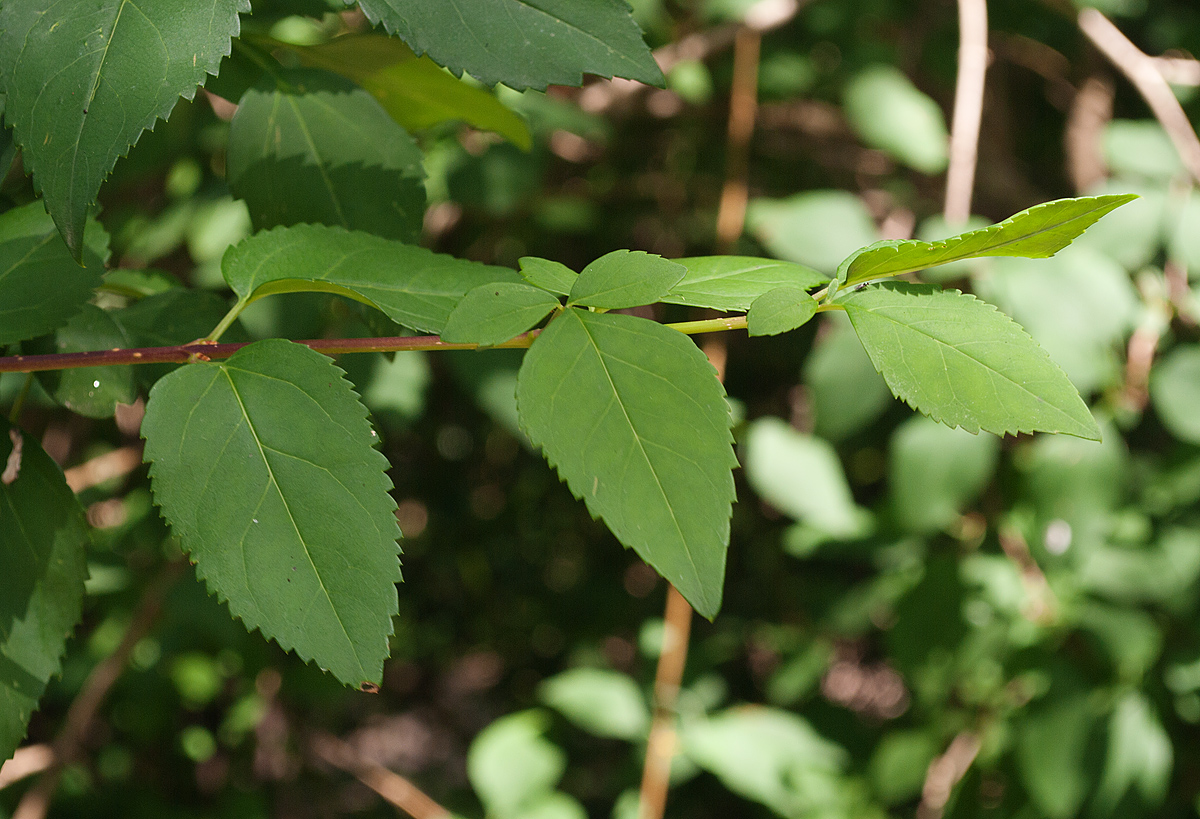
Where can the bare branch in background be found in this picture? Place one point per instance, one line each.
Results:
(396, 789)
(968, 108)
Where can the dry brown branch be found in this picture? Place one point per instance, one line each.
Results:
(1143, 71)
(1042, 605)
(945, 772)
(1091, 110)
(743, 107)
(27, 761)
(394, 788)
(104, 467)
(968, 108)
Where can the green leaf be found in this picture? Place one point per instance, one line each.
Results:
(888, 112)
(411, 285)
(309, 146)
(264, 466)
(935, 470)
(84, 78)
(963, 363)
(415, 91)
(847, 392)
(512, 765)
(1140, 756)
(492, 313)
(31, 254)
(90, 391)
(554, 277)
(1036, 233)
(817, 229)
(625, 278)
(1051, 752)
(523, 43)
(734, 282)
(602, 702)
(630, 413)
(900, 764)
(176, 316)
(780, 310)
(42, 569)
(1175, 391)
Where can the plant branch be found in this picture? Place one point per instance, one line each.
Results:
(397, 790)
(968, 108)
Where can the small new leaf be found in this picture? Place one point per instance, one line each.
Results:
(962, 362)
(780, 310)
(1036, 233)
(493, 313)
(264, 466)
(625, 278)
(633, 418)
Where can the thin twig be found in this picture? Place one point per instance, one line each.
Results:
(945, 772)
(1143, 71)
(112, 464)
(82, 712)
(968, 108)
(743, 106)
(397, 790)
(25, 762)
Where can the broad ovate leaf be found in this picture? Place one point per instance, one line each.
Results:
(42, 569)
(264, 465)
(1036, 233)
(963, 363)
(309, 146)
(734, 282)
(411, 285)
(32, 254)
(779, 311)
(492, 313)
(632, 416)
(625, 278)
(84, 78)
(523, 43)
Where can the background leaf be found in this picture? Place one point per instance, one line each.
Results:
(890, 113)
(309, 146)
(935, 471)
(1175, 391)
(847, 392)
(817, 229)
(492, 313)
(961, 362)
(42, 569)
(512, 766)
(523, 43)
(264, 466)
(631, 415)
(624, 278)
(603, 702)
(411, 285)
(734, 282)
(90, 391)
(84, 79)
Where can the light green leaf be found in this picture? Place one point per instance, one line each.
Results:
(492, 313)
(934, 470)
(734, 282)
(42, 569)
(90, 391)
(900, 764)
(523, 43)
(1140, 148)
(963, 363)
(84, 78)
(512, 765)
(817, 229)
(411, 285)
(309, 146)
(1051, 750)
(1036, 233)
(888, 112)
(605, 703)
(847, 392)
(1140, 756)
(554, 277)
(415, 91)
(779, 311)
(632, 416)
(32, 254)
(625, 278)
(264, 466)
(1175, 391)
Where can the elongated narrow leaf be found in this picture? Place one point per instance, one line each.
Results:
(415, 91)
(413, 286)
(1036, 233)
(625, 278)
(42, 569)
(734, 282)
(492, 313)
(84, 78)
(264, 467)
(523, 43)
(633, 418)
(962, 362)
(309, 146)
(32, 254)
(780, 310)
(553, 277)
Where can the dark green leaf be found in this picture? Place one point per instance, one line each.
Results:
(780, 310)
(84, 78)
(175, 316)
(625, 278)
(309, 146)
(523, 43)
(734, 282)
(963, 363)
(91, 391)
(492, 313)
(1036, 233)
(554, 277)
(412, 286)
(632, 416)
(415, 91)
(42, 569)
(32, 254)
(264, 466)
